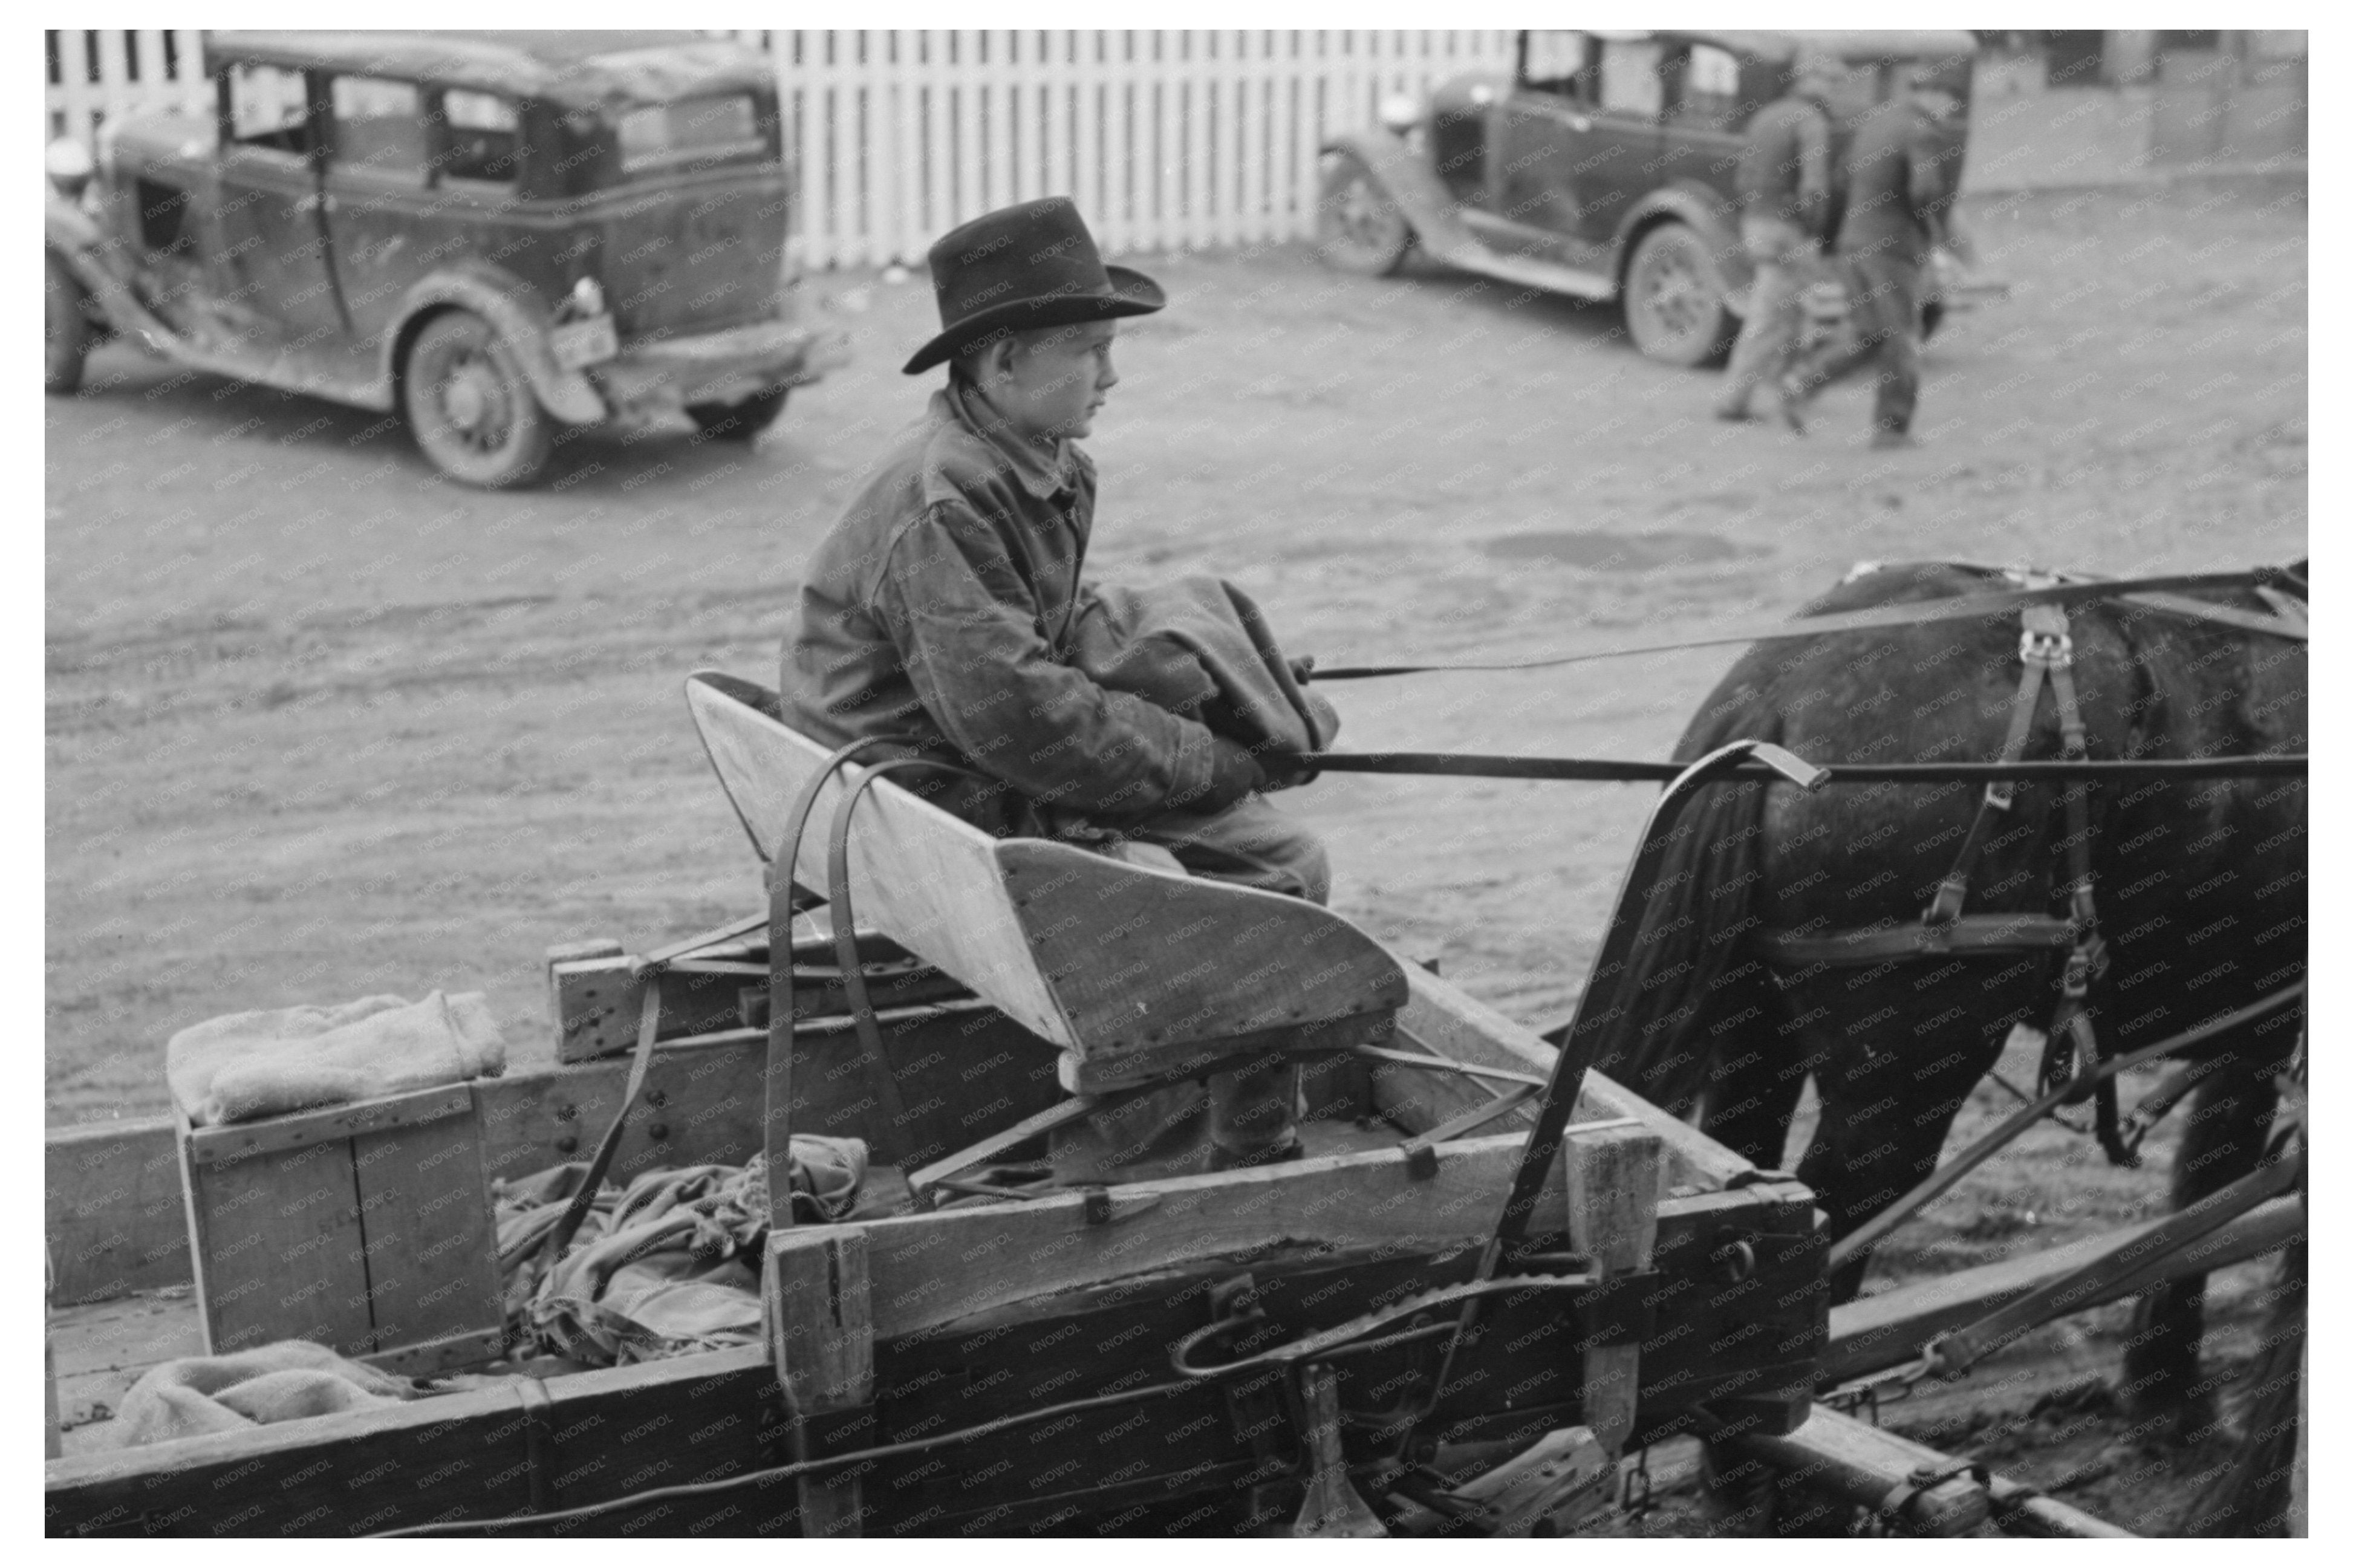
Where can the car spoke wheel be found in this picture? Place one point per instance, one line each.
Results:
(739, 421)
(1358, 228)
(1675, 309)
(469, 406)
(65, 328)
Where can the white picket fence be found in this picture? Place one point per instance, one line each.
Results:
(94, 74)
(1167, 140)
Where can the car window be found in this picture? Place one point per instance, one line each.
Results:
(483, 140)
(269, 109)
(379, 128)
(1707, 96)
(1629, 77)
(162, 216)
(696, 128)
(1554, 60)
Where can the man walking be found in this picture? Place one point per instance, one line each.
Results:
(1784, 184)
(1900, 179)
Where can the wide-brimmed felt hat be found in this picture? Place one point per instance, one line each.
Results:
(1030, 265)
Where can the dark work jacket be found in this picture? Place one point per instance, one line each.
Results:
(1900, 175)
(1785, 164)
(938, 613)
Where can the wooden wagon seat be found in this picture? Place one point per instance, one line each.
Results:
(1137, 974)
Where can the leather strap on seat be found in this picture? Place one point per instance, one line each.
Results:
(880, 1075)
(783, 1027)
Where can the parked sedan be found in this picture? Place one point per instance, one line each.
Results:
(1603, 167)
(493, 234)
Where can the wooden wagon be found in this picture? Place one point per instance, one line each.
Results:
(1209, 1354)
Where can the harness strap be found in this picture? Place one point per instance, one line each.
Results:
(1869, 1234)
(2287, 607)
(1964, 936)
(2089, 959)
(1896, 1506)
(783, 1028)
(1951, 1354)
(2039, 648)
(567, 1225)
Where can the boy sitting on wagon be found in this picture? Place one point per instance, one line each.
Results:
(944, 612)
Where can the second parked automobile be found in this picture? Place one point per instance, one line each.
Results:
(1602, 166)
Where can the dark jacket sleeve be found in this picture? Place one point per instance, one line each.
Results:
(968, 634)
(1934, 161)
(1814, 136)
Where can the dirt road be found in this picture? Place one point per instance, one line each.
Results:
(320, 725)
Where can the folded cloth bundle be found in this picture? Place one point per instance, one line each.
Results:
(668, 1265)
(283, 1382)
(1201, 647)
(251, 1065)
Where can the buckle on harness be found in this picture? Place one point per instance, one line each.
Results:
(2051, 650)
(1945, 911)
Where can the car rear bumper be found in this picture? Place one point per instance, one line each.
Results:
(666, 374)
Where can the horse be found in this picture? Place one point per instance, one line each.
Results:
(2199, 889)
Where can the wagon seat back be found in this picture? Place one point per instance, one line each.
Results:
(1137, 975)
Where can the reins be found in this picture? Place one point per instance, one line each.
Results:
(2158, 593)
(1617, 770)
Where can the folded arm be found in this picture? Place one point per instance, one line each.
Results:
(967, 630)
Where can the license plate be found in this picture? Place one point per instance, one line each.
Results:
(578, 344)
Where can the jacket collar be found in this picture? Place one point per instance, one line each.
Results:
(1042, 478)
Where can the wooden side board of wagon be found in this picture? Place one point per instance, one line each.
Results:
(1069, 1310)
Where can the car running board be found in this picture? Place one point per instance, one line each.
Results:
(1526, 270)
(1439, 228)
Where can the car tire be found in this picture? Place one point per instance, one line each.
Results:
(470, 407)
(65, 326)
(1675, 298)
(1358, 228)
(739, 421)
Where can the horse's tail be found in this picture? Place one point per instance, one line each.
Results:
(1681, 991)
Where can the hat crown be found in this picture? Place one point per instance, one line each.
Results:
(1030, 265)
(1032, 251)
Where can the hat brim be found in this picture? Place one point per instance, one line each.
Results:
(1131, 294)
